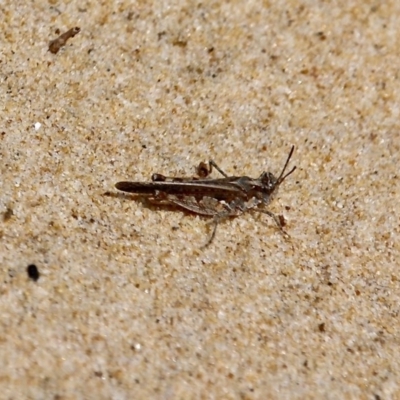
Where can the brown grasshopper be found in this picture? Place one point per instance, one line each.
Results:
(218, 198)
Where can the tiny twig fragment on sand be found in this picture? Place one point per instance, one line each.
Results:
(56, 44)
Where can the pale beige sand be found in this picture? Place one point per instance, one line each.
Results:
(128, 305)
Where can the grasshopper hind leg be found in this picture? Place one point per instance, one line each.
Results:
(232, 210)
(216, 220)
(214, 231)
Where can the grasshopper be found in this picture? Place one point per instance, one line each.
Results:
(221, 198)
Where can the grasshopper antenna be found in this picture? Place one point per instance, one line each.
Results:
(281, 176)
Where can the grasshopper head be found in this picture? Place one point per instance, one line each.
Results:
(270, 183)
